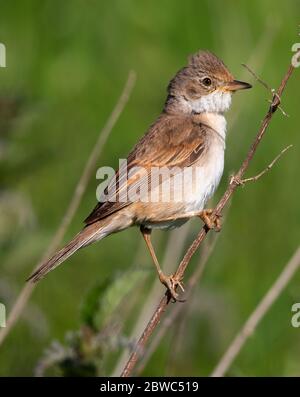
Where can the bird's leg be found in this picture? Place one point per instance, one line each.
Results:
(171, 281)
(210, 220)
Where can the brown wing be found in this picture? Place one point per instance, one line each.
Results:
(170, 142)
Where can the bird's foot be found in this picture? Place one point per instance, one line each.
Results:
(171, 282)
(212, 221)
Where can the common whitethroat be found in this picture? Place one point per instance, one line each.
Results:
(189, 135)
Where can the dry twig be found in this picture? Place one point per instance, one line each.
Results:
(257, 58)
(88, 170)
(251, 324)
(172, 255)
(175, 312)
(156, 317)
(263, 83)
(263, 172)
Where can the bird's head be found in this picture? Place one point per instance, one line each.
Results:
(204, 85)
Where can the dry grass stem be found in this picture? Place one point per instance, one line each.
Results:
(81, 186)
(257, 315)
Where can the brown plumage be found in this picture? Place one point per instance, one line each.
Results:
(189, 134)
(172, 141)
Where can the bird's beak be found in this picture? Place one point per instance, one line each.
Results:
(236, 85)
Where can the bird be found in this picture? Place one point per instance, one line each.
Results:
(172, 171)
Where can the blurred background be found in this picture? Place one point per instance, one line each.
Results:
(67, 63)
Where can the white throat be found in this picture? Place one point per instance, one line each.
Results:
(216, 102)
(211, 107)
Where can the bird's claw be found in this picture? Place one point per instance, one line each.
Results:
(171, 282)
(211, 220)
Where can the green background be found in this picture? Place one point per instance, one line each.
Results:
(66, 65)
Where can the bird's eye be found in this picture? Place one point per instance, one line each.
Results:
(206, 81)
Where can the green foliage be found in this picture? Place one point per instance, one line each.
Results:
(105, 298)
(81, 355)
(66, 65)
(84, 351)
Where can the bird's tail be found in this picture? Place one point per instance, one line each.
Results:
(88, 235)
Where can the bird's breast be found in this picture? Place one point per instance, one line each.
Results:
(206, 178)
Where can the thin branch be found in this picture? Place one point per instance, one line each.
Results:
(267, 169)
(257, 58)
(251, 324)
(172, 255)
(272, 90)
(81, 186)
(168, 321)
(258, 78)
(177, 309)
(158, 313)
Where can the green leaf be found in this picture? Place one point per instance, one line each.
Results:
(90, 304)
(104, 298)
(115, 293)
